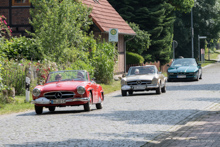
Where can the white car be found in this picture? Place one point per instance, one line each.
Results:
(143, 78)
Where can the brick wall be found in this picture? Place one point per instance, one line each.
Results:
(20, 16)
(19, 19)
(4, 3)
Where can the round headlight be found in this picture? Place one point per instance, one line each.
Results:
(36, 92)
(81, 89)
(123, 82)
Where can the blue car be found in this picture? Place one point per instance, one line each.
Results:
(184, 69)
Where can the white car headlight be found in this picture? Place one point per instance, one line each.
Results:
(155, 81)
(81, 89)
(36, 92)
(123, 82)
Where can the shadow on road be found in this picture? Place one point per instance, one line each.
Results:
(212, 87)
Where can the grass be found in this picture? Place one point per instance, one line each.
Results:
(114, 86)
(20, 105)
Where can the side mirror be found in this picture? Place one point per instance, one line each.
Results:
(124, 75)
(168, 65)
(199, 64)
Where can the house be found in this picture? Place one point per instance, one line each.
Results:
(103, 15)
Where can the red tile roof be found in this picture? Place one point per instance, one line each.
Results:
(106, 17)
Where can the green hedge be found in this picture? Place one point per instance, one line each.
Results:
(133, 58)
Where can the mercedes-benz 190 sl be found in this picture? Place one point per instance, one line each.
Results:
(67, 88)
(143, 78)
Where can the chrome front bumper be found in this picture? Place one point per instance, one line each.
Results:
(149, 86)
(43, 100)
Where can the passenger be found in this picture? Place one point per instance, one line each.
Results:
(80, 75)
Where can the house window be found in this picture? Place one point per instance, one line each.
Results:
(20, 3)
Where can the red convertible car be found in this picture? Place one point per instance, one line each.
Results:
(67, 88)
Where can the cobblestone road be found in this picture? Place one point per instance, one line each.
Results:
(124, 121)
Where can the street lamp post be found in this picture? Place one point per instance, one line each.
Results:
(200, 37)
(192, 32)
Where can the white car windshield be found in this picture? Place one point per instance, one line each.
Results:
(68, 75)
(142, 70)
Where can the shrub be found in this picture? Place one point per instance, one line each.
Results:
(21, 47)
(133, 58)
(103, 59)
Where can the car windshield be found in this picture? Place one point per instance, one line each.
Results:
(184, 62)
(142, 70)
(68, 75)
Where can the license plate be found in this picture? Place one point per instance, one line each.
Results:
(181, 76)
(139, 87)
(58, 101)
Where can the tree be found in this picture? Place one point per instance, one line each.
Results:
(206, 23)
(157, 18)
(141, 42)
(60, 28)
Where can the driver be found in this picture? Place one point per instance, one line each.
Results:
(58, 77)
(136, 71)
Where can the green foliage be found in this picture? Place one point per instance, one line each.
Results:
(157, 18)
(206, 23)
(60, 27)
(21, 47)
(141, 42)
(13, 75)
(183, 5)
(103, 60)
(133, 58)
(5, 30)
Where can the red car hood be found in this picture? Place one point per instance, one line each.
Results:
(63, 85)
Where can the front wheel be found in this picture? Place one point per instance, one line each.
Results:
(87, 106)
(38, 109)
(163, 89)
(123, 92)
(158, 90)
(200, 76)
(99, 106)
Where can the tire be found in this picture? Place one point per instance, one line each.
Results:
(87, 106)
(130, 92)
(200, 76)
(163, 89)
(38, 109)
(99, 106)
(52, 108)
(197, 78)
(158, 90)
(123, 92)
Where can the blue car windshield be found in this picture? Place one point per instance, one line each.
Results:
(184, 62)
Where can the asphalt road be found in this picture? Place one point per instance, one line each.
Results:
(124, 121)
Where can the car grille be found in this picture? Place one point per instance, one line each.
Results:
(141, 82)
(182, 73)
(59, 95)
